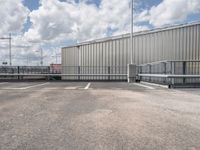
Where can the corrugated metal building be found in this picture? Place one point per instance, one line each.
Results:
(111, 55)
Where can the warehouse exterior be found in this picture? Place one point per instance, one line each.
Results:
(111, 55)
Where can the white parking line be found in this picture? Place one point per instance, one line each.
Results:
(3, 82)
(72, 88)
(145, 86)
(154, 84)
(27, 87)
(87, 86)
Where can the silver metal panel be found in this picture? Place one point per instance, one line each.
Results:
(174, 43)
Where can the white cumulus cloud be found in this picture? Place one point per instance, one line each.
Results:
(13, 15)
(170, 12)
(57, 20)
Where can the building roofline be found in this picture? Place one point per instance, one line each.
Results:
(127, 35)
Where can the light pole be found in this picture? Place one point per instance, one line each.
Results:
(10, 47)
(131, 35)
(41, 56)
(41, 53)
(56, 57)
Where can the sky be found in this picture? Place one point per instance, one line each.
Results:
(52, 24)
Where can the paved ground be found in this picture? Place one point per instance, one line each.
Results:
(98, 116)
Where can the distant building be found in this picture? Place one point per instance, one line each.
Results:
(55, 68)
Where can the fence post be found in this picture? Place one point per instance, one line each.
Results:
(79, 71)
(184, 71)
(18, 73)
(132, 73)
(173, 73)
(49, 71)
(165, 71)
(109, 72)
(149, 72)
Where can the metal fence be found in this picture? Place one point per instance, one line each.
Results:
(76, 73)
(173, 73)
(10, 72)
(107, 73)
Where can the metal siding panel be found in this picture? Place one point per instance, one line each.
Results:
(152, 46)
(121, 55)
(117, 57)
(198, 43)
(181, 43)
(148, 54)
(137, 50)
(103, 59)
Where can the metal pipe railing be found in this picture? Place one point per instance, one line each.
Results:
(171, 72)
(63, 74)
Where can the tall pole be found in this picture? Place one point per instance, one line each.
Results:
(10, 52)
(41, 50)
(131, 35)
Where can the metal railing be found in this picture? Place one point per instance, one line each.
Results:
(23, 72)
(94, 72)
(79, 73)
(172, 73)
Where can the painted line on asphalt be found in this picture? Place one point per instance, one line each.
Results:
(37, 85)
(145, 86)
(72, 88)
(3, 82)
(154, 84)
(27, 87)
(87, 86)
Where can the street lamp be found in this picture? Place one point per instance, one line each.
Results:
(131, 35)
(56, 57)
(10, 52)
(41, 56)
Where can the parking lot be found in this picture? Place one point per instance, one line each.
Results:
(98, 116)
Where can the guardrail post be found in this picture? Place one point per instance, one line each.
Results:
(131, 73)
(149, 72)
(79, 71)
(18, 77)
(173, 73)
(49, 71)
(165, 71)
(184, 71)
(109, 72)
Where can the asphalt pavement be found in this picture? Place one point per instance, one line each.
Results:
(98, 116)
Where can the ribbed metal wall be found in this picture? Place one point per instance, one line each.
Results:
(174, 43)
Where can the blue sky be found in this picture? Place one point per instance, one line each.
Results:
(141, 5)
(61, 23)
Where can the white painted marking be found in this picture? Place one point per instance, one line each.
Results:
(72, 88)
(145, 86)
(27, 87)
(51, 88)
(87, 86)
(3, 82)
(37, 85)
(154, 84)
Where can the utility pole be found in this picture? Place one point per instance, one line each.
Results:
(41, 51)
(57, 55)
(10, 47)
(41, 55)
(131, 35)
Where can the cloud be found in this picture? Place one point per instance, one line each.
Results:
(13, 15)
(170, 12)
(57, 23)
(57, 20)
